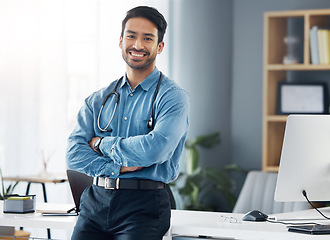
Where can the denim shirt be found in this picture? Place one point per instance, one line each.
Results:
(131, 143)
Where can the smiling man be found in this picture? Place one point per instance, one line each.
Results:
(129, 136)
(139, 48)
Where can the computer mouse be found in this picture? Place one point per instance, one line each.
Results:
(255, 216)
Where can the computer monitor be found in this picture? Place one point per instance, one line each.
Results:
(305, 159)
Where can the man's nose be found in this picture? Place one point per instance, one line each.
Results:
(138, 45)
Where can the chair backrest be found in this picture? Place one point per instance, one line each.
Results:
(258, 194)
(78, 182)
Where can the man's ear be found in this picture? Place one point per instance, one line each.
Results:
(160, 47)
(120, 42)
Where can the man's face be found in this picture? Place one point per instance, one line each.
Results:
(139, 43)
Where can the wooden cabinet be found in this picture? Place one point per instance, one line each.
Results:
(276, 27)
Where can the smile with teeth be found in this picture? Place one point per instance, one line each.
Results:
(137, 54)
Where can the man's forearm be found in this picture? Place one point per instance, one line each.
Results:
(123, 169)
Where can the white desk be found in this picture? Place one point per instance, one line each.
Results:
(190, 223)
(36, 220)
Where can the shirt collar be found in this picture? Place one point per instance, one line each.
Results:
(147, 82)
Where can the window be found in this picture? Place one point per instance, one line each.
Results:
(53, 54)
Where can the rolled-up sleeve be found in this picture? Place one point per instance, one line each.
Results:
(80, 156)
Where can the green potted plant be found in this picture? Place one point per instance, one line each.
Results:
(6, 191)
(197, 183)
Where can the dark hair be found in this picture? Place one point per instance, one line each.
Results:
(149, 13)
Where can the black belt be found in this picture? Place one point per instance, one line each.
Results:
(122, 183)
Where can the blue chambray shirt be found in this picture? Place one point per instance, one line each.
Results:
(132, 143)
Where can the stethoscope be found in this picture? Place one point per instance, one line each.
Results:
(150, 122)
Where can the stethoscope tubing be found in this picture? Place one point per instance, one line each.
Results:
(99, 116)
(114, 92)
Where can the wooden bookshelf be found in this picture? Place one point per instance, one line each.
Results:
(274, 71)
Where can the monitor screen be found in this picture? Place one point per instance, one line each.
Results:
(305, 159)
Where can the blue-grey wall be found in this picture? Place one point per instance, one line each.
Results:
(202, 64)
(218, 58)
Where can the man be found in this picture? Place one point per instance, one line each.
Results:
(131, 147)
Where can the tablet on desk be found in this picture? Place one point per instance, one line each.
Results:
(310, 229)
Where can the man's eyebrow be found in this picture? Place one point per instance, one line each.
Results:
(149, 34)
(145, 34)
(130, 31)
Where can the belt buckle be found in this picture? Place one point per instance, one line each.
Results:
(106, 183)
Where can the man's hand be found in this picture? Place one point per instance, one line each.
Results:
(122, 169)
(129, 169)
(92, 142)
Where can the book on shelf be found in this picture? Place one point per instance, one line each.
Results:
(314, 45)
(324, 45)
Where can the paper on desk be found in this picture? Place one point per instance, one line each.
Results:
(54, 208)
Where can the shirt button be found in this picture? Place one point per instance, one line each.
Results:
(131, 94)
(112, 173)
(125, 118)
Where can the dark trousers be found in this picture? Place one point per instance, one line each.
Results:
(122, 214)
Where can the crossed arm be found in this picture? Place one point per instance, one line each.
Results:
(121, 155)
(123, 169)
